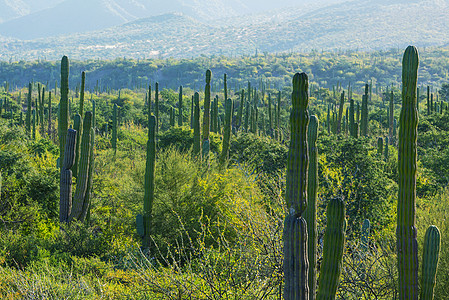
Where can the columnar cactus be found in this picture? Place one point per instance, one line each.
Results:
(49, 116)
(380, 146)
(77, 125)
(172, 116)
(334, 240)
(407, 245)
(83, 83)
(114, 128)
(226, 132)
(351, 118)
(196, 127)
(192, 108)
(180, 107)
(63, 122)
(156, 105)
(386, 154)
(149, 181)
(364, 115)
(225, 83)
(270, 120)
(28, 115)
(80, 206)
(65, 192)
(240, 112)
(34, 124)
(430, 262)
(278, 117)
(391, 118)
(310, 212)
(206, 117)
(340, 112)
(364, 242)
(41, 113)
(295, 228)
(247, 116)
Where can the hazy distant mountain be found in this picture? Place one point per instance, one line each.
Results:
(11, 9)
(76, 16)
(364, 25)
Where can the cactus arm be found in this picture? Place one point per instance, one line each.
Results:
(430, 262)
(310, 212)
(65, 183)
(83, 170)
(334, 240)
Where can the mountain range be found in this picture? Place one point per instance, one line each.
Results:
(357, 24)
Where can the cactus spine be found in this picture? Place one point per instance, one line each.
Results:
(407, 246)
(334, 240)
(295, 228)
(431, 251)
(63, 122)
(226, 132)
(310, 212)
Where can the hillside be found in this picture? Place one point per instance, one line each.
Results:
(23, 21)
(363, 25)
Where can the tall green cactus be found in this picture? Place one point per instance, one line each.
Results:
(364, 114)
(65, 183)
(407, 245)
(77, 125)
(340, 112)
(49, 128)
(180, 107)
(34, 124)
(295, 228)
(156, 105)
(431, 251)
(28, 115)
(196, 127)
(83, 83)
(311, 209)
(226, 132)
(63, 122)
(41, 113)
(240, 112)
(80, 206)
(149, 181)
(380, 146)
(365, 235)
(334, 240)
(206, 117)
(391, 118)
(114, 128)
